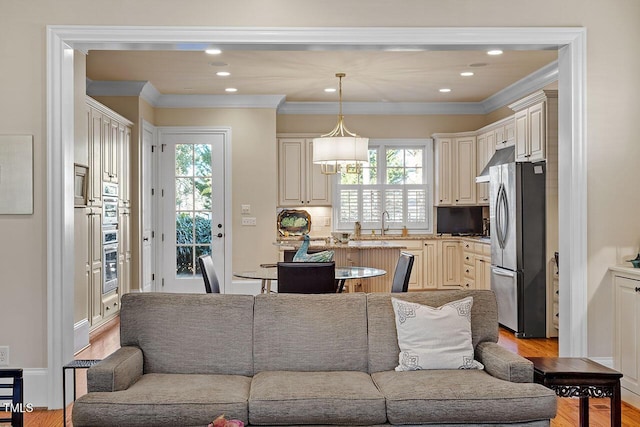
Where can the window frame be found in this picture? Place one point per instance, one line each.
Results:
(428, 184)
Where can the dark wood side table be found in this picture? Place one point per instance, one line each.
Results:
(73, 365)
(582, 378)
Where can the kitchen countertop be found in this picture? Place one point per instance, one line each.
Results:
(353, 244)
(373, 241)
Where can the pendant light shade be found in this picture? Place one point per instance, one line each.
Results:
(340, 147)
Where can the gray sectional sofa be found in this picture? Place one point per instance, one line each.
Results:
(299, 360)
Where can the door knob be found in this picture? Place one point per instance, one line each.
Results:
(219, 234)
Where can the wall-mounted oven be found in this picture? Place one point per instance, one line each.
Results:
(109, 258)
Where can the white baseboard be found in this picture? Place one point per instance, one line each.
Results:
(81, 335)
(630, 398)
(605, 361)
(35, 384)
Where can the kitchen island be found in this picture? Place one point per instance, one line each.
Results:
(382, 254)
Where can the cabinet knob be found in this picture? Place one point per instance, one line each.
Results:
(637, 289)
(456, 200)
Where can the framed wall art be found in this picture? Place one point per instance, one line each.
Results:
(16, 174)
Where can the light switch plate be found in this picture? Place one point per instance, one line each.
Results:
(4, 355)
(249, 221)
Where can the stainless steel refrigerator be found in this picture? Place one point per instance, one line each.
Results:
(518, 246)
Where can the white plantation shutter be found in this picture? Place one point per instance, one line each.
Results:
(397, 180)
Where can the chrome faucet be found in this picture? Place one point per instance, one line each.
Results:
(383, 227)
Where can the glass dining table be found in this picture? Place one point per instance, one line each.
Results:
(270, 273)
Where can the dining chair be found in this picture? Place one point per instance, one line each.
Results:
(402, 273)
(307, 277)
(211, 284)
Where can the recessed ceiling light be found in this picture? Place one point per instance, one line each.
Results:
(466, 73)
(494, 52)
(223, 73)
(231, 89)
(213, 51)
(445, 90)
(330, 89)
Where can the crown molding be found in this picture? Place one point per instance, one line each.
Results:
(523, 87)
(531, 83)
(149, 93)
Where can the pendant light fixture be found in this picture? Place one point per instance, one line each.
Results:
(340, 148)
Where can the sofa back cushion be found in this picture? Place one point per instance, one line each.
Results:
(321, 332)
(190, 333)
(383, 339)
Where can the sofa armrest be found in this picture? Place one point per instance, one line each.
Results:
(117, 372)
(504, 364)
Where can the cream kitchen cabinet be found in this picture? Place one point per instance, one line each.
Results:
(626, 342)
(505, 133)
(476, 264)
(449, 264)
(300, 182)
(486, 146)
(536, 115)
(455, 170)
(109, 145)
(424, 273)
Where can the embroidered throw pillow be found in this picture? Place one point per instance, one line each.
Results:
(434, 337)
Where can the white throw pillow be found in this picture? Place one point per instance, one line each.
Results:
(434, 338)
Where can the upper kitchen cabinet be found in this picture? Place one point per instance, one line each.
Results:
(455, 169)
(300, 181)
(536, 116)
(490, 138)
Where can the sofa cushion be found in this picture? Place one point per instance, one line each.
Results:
(164, 326)
(167, 400)
(461, 396)
(434, 337)
(383, 340)
(303, 398)
(323, 332)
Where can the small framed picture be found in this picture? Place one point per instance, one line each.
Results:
(80, 184)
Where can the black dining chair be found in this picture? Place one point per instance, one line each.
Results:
(402, 273)
(307, 277)
(211, 284)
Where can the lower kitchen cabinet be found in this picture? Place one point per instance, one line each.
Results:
(626, 344)
(450, 264)
(110, 304)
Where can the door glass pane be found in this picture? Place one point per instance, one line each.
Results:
(203, 227)
(184, 260)
(184, 160)
(193, 206)
(184, 228)
(184, 193)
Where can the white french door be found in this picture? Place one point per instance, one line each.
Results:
(192, 206)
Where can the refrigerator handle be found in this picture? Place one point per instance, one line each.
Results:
(505, 203)
(501, 206)
(497, 209)
(500, 272)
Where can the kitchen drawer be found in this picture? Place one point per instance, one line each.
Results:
(482, 248)
(467, 245)
(110, 305)
(469, 271)
(468, 283)
(410, 244)
(469, 258)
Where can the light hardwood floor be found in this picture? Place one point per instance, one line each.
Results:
(107, 341)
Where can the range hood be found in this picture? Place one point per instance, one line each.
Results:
(500, 157)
